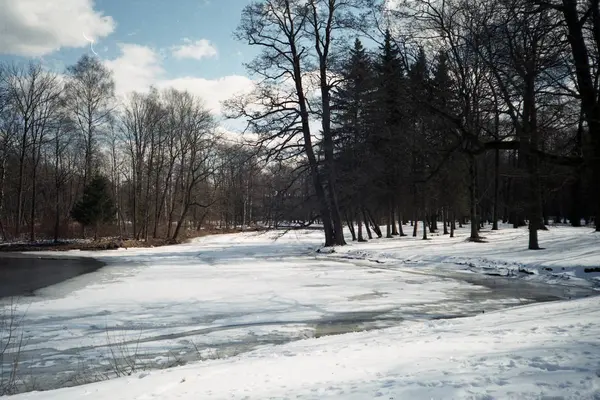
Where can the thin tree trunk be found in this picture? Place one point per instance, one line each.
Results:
(473, 197)
(400, 229)
(388, 223)
(393, 217)
(416, 224)
(445, 219)
(433, 225)
(20, 186)
(375, 225)
(2, 178)
(33, 192)
(351, 227)
(364, 214)
(496, 189)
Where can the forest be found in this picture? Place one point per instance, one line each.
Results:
(414, 116)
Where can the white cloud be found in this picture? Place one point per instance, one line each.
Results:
(139, 67)
(136, 69)
(196, 50)
(40, 27)
(212, 91)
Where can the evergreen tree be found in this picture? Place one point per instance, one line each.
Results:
(350, 105)
(96, 206)
(445, 182)
(390, 139)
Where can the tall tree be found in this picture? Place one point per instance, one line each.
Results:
(582, 22)
(90, 91)
(351, 106)
(390, 140)
(295, 37)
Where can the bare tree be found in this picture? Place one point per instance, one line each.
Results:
(195, 141)
(582, 22)
(140, 119)
(89, 96)
(34, 98)
(296, 38)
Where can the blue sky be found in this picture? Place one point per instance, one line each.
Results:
(163, 23)
(187, 44)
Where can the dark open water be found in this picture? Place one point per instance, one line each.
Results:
(23, 274)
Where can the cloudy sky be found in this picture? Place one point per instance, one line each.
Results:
(187, 44)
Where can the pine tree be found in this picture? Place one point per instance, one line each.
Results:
(390, 141)
(96, 206)
(350, 105)
(446, 161)
(420, 125)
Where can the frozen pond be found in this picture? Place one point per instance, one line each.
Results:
(223, 296)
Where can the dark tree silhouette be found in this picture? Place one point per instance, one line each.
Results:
(96, 206)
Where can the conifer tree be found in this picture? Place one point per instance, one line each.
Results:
(96, 206)
(351, 104)
(390, 139)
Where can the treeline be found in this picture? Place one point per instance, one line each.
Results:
(159, 155)
(465, 110)
(455, 111)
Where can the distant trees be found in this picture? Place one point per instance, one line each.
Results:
(456, 111)
(159, 153)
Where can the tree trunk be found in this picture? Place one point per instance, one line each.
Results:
(425, 228)
(400, 229)
(20, 187)
(496, 189)
(351, 227)
(360, 230)
(375, 225)
(473, 198)
(388, 223)
(364, 214)
(393, 217)
(535, 203)
(2, 177)
(416, 224)
(445, 219)
(433, 228)
(33, 196)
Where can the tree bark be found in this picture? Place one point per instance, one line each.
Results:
(496, 189)
(400, 229)
(364, 214)
(473, 198)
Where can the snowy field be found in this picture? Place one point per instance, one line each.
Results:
(286, 321)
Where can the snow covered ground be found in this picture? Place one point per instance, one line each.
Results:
(547, 351)
(567, 253)
(252, 296)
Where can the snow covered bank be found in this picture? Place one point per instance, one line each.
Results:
(570, 256)
(532, 352)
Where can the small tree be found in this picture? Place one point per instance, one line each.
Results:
(96, 206)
